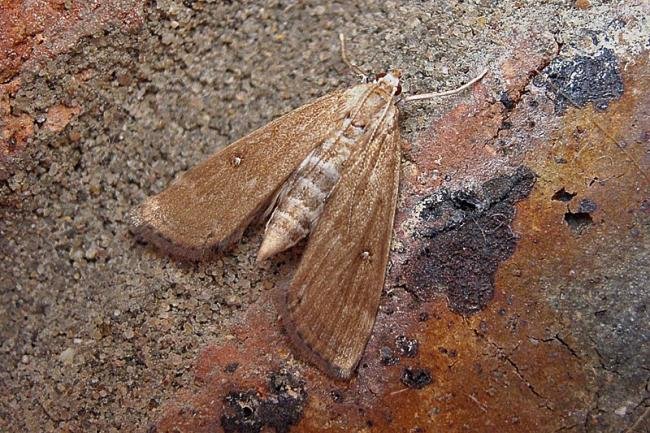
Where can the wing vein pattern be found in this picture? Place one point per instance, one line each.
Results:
(333, 298)
(208, 207)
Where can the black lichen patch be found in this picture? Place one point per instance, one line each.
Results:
(465, 235)
(563, 195)
(583, 79)
(248, 412)
(507, 101)
(416, 378)
(407, 347)
(245, 412)
(387, 356)
(587, 206)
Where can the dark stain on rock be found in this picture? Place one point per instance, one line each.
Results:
(452, 353)
(337, 396)
(407, 347)
(248, 412)
(464, 236)
(583, 79)
(563, 195)
(416, 378)
(507, 101)
(581, 219)
(232, 367)
(587, 206)
(578, 222)
(387, 356)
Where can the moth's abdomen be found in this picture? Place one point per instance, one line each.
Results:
(301, 201)
(370, 107)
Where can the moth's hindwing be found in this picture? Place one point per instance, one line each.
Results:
(210, 205)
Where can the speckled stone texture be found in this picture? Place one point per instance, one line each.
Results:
(517, 295)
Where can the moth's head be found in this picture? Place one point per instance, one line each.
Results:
(391, 79)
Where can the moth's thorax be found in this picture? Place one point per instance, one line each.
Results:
(391, 80)
(369, 108)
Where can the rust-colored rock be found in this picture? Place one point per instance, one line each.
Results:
(17, 129)
(58, 117)
(39, 29)
(516, 297)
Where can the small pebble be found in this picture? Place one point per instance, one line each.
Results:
(67, 356)
(91, 252)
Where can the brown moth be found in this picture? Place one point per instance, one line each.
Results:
(328, 171)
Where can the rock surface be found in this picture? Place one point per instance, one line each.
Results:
(519, 269)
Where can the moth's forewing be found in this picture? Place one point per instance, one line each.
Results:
(210, 205)
(333, 298)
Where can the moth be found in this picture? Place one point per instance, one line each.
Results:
(327, 171)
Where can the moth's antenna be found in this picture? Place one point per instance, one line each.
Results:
(344, 56)
(448, 92)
